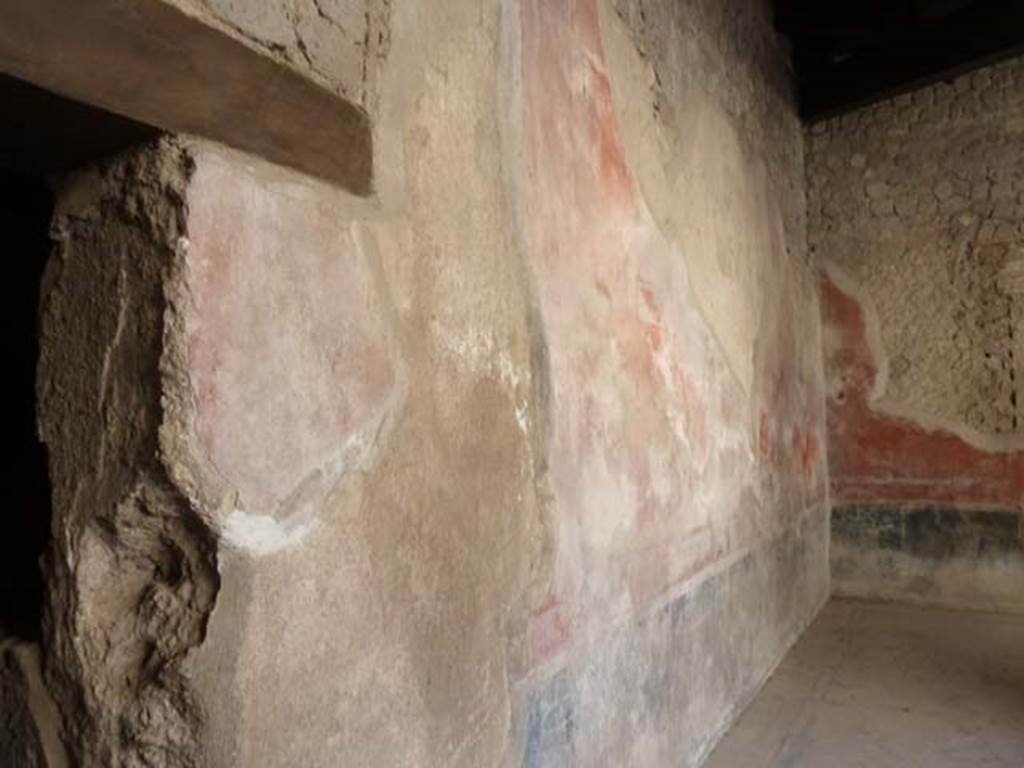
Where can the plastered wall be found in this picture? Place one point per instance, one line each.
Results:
(915, 215)
(520, 460)
(685, 412)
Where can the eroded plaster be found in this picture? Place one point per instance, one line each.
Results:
(494, 439)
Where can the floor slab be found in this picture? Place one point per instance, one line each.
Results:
(889, 686)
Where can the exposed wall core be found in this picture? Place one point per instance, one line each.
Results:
(917, 218)
(132, 573)
(919, 201)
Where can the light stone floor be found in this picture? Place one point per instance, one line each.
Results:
(874, 685)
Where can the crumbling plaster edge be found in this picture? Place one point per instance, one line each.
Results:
(877, 400)
(191, 471)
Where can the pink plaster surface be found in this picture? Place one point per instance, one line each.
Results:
(288, 356)
(661, 465)
(879, 457)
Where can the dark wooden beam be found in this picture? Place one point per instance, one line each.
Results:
(151, 61)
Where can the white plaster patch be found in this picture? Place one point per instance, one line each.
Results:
(479, 352)
(297, 516)
(262, 534)
(522, 417)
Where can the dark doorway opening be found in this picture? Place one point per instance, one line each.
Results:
(43, 136)
(26, 206)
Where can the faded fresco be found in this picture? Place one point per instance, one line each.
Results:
(662, 466)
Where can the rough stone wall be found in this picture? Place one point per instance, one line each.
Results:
(519, 462)
(920, 200)
(915, 215)
(132, 572)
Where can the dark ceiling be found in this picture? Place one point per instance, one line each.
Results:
(42, 133)
(848, 53)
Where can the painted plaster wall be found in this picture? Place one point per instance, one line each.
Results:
(660, 447)
(915, 211)
(366, 588)
(519, 460)
(663, 225)
(558, 448)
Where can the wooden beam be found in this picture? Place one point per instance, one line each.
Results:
(153, 62)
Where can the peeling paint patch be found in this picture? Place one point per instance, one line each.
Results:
(919, 199)
(878, 456)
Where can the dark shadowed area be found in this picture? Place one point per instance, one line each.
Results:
(847, 53)
(25, 210)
